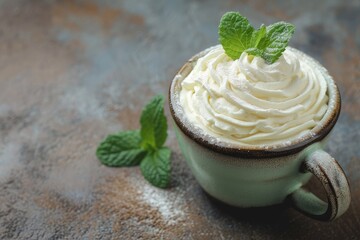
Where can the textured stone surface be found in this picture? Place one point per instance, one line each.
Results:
(72, 72)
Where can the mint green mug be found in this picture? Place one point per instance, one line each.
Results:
(262, 176)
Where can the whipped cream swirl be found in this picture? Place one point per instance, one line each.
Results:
(248, 102)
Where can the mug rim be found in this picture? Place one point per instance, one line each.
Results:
(319, 132)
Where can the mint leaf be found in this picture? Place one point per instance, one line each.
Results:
(276, 40)
(235, 34)
(257, 35)
(156, 167)
(254, 52)
(153, 124)
(146, 146)
(120, 150)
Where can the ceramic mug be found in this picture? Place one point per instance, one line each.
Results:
(262, 176)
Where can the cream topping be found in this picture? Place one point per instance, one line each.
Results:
(248, 102)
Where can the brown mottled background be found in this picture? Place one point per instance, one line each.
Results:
(72, 72)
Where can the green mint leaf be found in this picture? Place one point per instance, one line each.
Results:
(156, 167)
(121, 150)
(235, 34)
(254, 52)
(257, 36)
(153, 124)
(276, 40)
(132, 147)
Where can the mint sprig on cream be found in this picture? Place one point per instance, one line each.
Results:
(236, 35)
(144, 147)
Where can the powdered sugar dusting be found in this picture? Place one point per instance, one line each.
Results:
(8, 153)
(167, 202)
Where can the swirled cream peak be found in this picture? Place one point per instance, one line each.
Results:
(248, 102)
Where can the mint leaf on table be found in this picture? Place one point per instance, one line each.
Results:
(156, 167)
(121, 150)
(144, 147)
(153, 124)
(236, 35)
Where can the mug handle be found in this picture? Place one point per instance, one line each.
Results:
(327, 170)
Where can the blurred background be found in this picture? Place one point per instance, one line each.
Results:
(72, 72)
